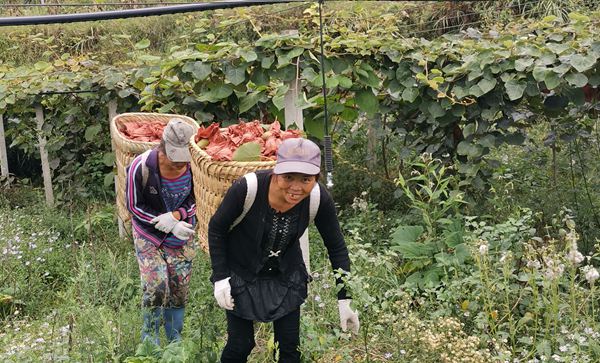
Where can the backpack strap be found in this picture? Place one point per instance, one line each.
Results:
(315, 200)
(145, 171)
(252, 187)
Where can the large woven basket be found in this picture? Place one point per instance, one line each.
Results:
(211, 181)
(126, 150)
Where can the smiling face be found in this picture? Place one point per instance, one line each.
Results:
(294, 187)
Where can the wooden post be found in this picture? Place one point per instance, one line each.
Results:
(112, 112)
(39, 115)
(3, 153)
(293, 114)
(372, 125)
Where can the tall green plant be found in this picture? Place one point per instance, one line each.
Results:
(434, 248)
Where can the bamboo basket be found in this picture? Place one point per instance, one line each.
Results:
(212, 179)
(126, 150)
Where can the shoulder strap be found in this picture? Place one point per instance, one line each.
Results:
(315, 200)
(252, 187)
(145, 171)
(313, 208)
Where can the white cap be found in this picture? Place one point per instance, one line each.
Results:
(176, 136)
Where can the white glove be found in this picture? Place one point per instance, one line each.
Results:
(223, 294)
(348, 317)
(183, 230)
(165, 222)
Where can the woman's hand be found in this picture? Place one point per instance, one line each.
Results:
(183, 230)
(165, 222)
(223, 294)
(348, 317)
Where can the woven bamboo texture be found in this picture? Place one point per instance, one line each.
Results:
(126, 150)
(211, 181)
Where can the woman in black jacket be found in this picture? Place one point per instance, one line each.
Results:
(258, 270)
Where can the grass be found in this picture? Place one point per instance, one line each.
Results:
(70, 289)
(71, 293)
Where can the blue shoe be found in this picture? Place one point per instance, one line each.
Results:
(173, 323)
(150, 329)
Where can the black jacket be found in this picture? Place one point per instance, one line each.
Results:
(239, 250)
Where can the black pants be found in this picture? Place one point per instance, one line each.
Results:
(240, 338)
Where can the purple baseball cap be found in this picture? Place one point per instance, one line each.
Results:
(298, 156)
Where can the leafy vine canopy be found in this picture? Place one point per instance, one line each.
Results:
(459, 94)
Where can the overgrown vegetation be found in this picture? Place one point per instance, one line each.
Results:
(457, 96)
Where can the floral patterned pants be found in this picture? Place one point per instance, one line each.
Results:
(165, 273)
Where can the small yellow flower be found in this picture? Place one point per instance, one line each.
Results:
(465, 305)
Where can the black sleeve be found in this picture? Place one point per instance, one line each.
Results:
(329, 228)
(218, 228)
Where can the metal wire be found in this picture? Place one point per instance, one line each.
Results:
(91, 5)
(131, 13)
(327, 138)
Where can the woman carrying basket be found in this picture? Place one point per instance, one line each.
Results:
(160, 198)
(258, 270)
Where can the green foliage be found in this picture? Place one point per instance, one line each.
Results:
(433, 249)
(71, 288)
(458, 94)
(509, 301)
(249, 151)
(556, 168)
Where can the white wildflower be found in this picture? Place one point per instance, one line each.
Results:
(64, 330)
(506, 256)
(554, 270)
(483, 249)
(571, 239)
(591, 274)
(575, 257)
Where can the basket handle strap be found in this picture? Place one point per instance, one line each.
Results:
(252, 187)
(145, 170)
(313, 208)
